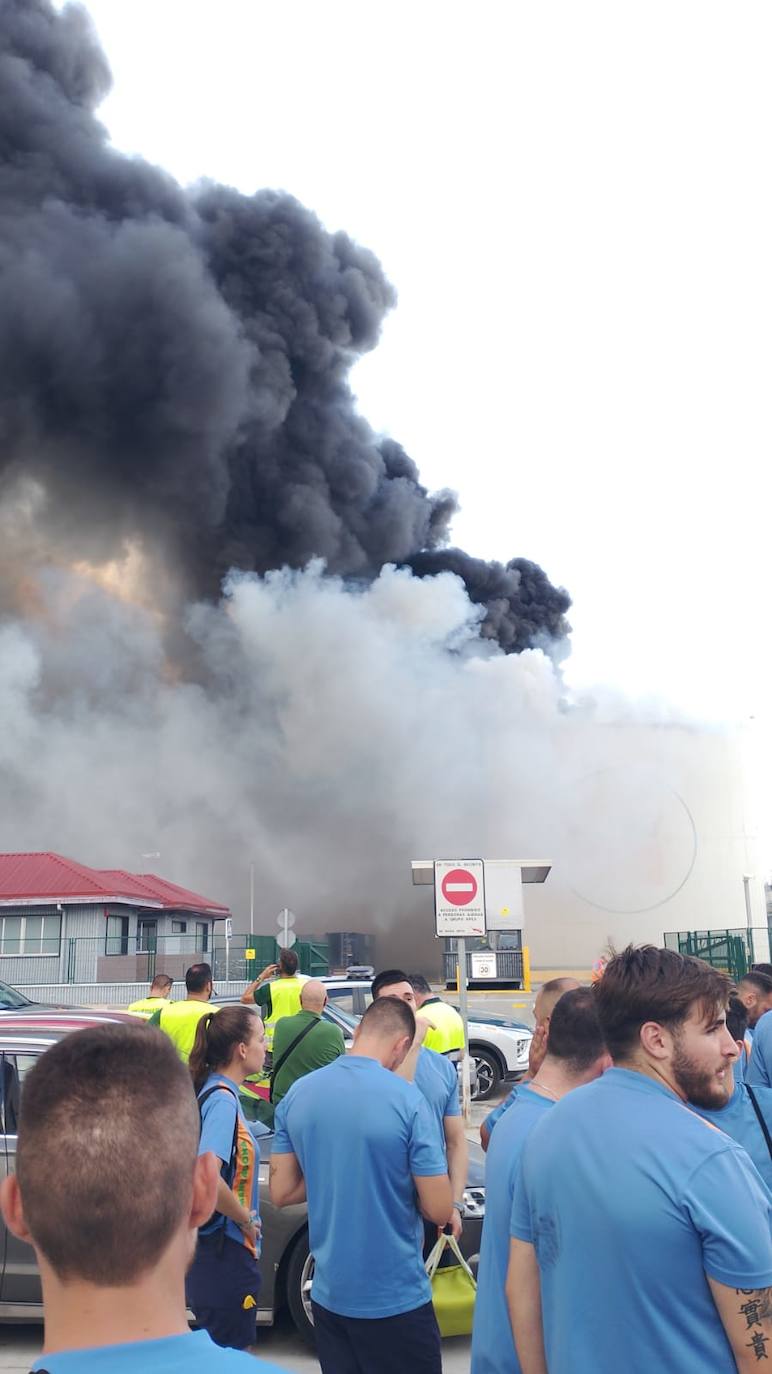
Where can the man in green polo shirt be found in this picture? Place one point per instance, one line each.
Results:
(304, 1042)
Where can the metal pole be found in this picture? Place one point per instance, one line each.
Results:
(251, 899)
(748, 913)
(466, 1086)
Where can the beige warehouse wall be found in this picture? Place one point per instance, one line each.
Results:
(655, 836)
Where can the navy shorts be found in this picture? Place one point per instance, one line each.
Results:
(378, 1345)
(223, 1277)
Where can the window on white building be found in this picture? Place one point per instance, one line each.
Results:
(117, 936)
(30, 934)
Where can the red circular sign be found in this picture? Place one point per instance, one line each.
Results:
(459, 887)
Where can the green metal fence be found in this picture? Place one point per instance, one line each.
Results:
(250, 954)
(731, 950)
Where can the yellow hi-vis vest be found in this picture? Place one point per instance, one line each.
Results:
(285, 1001)
(447, 1033)
(146, 1006)
(180, 1021)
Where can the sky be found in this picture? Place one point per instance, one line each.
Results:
(574, 204)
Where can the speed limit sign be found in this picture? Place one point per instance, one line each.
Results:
(483, 965)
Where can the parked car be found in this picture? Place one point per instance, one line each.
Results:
(13, 1000)
(286, 1264)
(498, 1047)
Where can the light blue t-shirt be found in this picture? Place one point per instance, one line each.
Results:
(193, 1353)
(740, 1121)
(760, 1067)
(360, 1134)
(436, 1078)
(630, 1198)
(740, 1066)
(218, 1118)
(493, 1350)
(495, 1116)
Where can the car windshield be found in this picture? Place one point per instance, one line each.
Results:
(11, 1000)
(345, 1018)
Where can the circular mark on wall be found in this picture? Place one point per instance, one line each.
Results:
(629, 840)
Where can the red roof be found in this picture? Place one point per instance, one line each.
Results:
(54, 878)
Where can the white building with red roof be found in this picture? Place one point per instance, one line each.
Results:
(62, 922)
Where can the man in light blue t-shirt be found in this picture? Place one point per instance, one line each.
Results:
(359, 1142)
(436, 1078)
(754, 990)
(576, 1054)
(115, 1229)
(760, 1066)
(739, 1117)
(641, 1231)
(547, 998)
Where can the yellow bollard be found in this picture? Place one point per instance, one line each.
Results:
(526, 969)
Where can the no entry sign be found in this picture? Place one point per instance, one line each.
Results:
(459, 897)
(459, 887)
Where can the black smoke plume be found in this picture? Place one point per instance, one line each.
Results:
(173, 365)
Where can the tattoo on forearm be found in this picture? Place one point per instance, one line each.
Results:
(756, 1308)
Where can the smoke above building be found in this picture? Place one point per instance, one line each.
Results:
(233, 627)
(174, 366)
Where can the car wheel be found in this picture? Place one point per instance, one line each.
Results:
(300, 1273)
(489, 1073)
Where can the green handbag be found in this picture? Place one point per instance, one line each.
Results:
(453, 1289)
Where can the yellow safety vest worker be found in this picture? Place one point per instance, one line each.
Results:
(180, 1022)
(447, 1033)
(285, 1001)
(146, 1006)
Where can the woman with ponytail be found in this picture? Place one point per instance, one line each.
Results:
(223, 1282)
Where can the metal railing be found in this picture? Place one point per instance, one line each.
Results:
(136, 959)
(509, 967)
(731, 950)
(118, 995)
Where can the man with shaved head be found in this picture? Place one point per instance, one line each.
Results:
(110, 1188)
(547, 998)
(304, 1042)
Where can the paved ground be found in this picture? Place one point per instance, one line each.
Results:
(20, 1345)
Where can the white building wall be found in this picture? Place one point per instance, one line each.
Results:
(655, 837)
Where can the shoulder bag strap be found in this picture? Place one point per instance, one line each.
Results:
(281, 1061)
(760, 1115)
(229, 1169)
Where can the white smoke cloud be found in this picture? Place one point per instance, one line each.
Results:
(330, 734)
